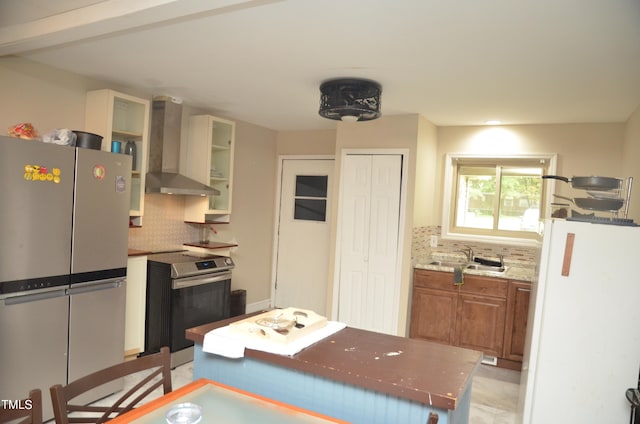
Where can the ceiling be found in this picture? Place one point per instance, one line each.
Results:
(457, 62)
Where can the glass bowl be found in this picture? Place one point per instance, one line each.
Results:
(184, 413)
(276, 323)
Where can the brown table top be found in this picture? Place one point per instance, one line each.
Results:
(412, 369)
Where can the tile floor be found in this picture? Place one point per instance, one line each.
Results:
(494, 394)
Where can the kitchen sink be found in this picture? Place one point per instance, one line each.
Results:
(471, 266)
(487, 268)
(448, 264)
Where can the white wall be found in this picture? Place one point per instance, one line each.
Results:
(583, 149)
(631, 161)
(321, 142)
(252, 213)
(426, 208)
(46, 97)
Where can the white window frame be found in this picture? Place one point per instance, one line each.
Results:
(451, 160)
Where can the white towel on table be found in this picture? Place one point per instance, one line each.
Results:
(224, 342)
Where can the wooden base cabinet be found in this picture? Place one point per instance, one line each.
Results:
(516, 323)
(480, 324)
(433, 315)
(485, 314)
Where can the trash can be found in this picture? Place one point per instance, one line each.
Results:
(238, 303)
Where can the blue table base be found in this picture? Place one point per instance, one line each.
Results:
(339, 400)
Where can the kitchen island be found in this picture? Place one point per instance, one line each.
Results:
(354, 375)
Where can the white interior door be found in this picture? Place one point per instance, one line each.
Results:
(369, 234)
(303, 234)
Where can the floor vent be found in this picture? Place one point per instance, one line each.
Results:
(490, 360)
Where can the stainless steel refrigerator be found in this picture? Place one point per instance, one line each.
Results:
(63, 255)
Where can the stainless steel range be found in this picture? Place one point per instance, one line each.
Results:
(184, 290)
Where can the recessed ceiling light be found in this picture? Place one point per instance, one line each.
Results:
(493, 122)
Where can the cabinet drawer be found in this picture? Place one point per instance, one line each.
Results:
(473, 284)
(434, 280)
(485, 286)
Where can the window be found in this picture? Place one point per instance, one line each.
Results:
(495, 197)
(310, 202)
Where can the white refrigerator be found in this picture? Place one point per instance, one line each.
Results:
(583, 340)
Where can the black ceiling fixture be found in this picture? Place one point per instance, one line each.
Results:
(350, 99)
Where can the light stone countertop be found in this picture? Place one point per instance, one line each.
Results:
(516, 270)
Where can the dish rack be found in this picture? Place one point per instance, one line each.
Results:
(619, 216)
(623, 192)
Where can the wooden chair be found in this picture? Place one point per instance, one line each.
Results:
(30, 409)
(433, 418)
(61, 396)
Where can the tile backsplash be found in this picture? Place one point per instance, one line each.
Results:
(163, 226)
(422, 252)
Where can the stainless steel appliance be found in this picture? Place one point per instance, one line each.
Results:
(184, 290)
(164, 152)
(63, 258)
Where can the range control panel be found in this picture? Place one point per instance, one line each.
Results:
(184, 264)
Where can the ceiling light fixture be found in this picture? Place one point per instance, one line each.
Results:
(350, 99)
(493, 122)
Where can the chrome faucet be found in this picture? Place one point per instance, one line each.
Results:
(469, 253)
(501, 258)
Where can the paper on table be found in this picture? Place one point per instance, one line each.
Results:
(224, 342)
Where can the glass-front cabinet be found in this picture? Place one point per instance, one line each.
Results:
(209, 159)
(123, 118)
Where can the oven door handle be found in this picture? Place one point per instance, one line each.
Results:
(183, 283)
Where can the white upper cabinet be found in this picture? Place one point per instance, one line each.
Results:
(210, 148)
(124, 118)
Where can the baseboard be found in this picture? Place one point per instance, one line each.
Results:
(131, 354)
(258, 306)
(511, 365)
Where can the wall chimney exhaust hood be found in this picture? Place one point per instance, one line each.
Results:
(164, 152)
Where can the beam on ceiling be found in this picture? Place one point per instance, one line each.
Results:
(109, 17)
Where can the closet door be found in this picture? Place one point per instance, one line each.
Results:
(369, 235)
